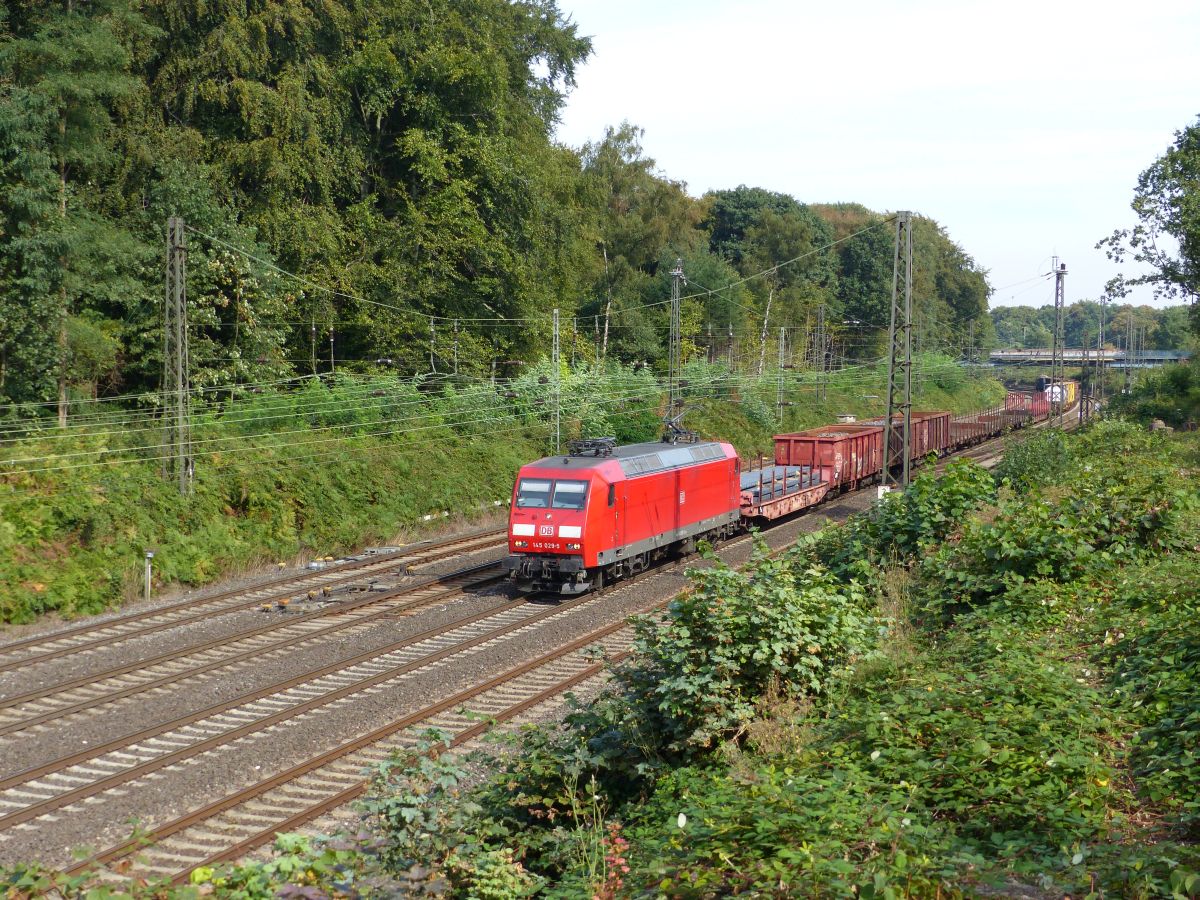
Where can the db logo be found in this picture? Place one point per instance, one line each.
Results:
(546, 530)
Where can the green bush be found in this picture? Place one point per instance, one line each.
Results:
(701, 671)
(1153, 652)
(902, 525)
(1118, 502)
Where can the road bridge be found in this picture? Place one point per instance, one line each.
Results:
(1113, 359)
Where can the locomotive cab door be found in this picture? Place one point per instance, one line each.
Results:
(616, 512)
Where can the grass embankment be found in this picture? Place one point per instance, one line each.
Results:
(316, 471)
(327, 468)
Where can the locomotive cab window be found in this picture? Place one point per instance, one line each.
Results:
(533, 493)
(612, 495)
(570, 494)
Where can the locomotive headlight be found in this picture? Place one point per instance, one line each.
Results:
(520, 543)
(574, 546)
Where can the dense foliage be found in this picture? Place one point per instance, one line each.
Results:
(399, 157)
(1165, 328)
(1171, 394)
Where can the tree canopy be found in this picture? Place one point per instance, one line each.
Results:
(1166, 202)
(379, 180)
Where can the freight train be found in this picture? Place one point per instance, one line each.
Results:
(602, 512)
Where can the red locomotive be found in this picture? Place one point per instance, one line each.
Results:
(602, 511)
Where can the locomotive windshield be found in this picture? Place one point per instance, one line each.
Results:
(533, 493)
(570, 494)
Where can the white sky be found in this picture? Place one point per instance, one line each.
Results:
(1020, 126)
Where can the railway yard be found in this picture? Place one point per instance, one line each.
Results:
(215, 721)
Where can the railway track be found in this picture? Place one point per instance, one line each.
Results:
(253, 813)
(42, 648)
(94, 694)
(251, 818)
(96, 771)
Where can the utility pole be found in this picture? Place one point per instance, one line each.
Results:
(1100, 353)
(1084, 373)
(607, 304)
(673, 354)
(176, 383)
(1128, 350)
(557, 385)
(779, 376)
(1058, 369)
(821, 349)
(456, 346)
(432, 345)
(332, 363)
(899, 370)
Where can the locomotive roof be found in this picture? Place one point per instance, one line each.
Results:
(640, 459)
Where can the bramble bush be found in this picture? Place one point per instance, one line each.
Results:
(906, 782)
(1153, 652)
(1118, 502)
(903, 525)
(702, 669)
(1034, 459)
(693, 685)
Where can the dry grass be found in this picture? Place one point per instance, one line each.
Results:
(900, 646)
(781, 727)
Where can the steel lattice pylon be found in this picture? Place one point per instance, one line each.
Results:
(177, 405)
(899, 372)
(1058, 363)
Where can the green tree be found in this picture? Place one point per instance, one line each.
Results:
(31, 244)
(644, 218)
(64, 66)
(1167, 204)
